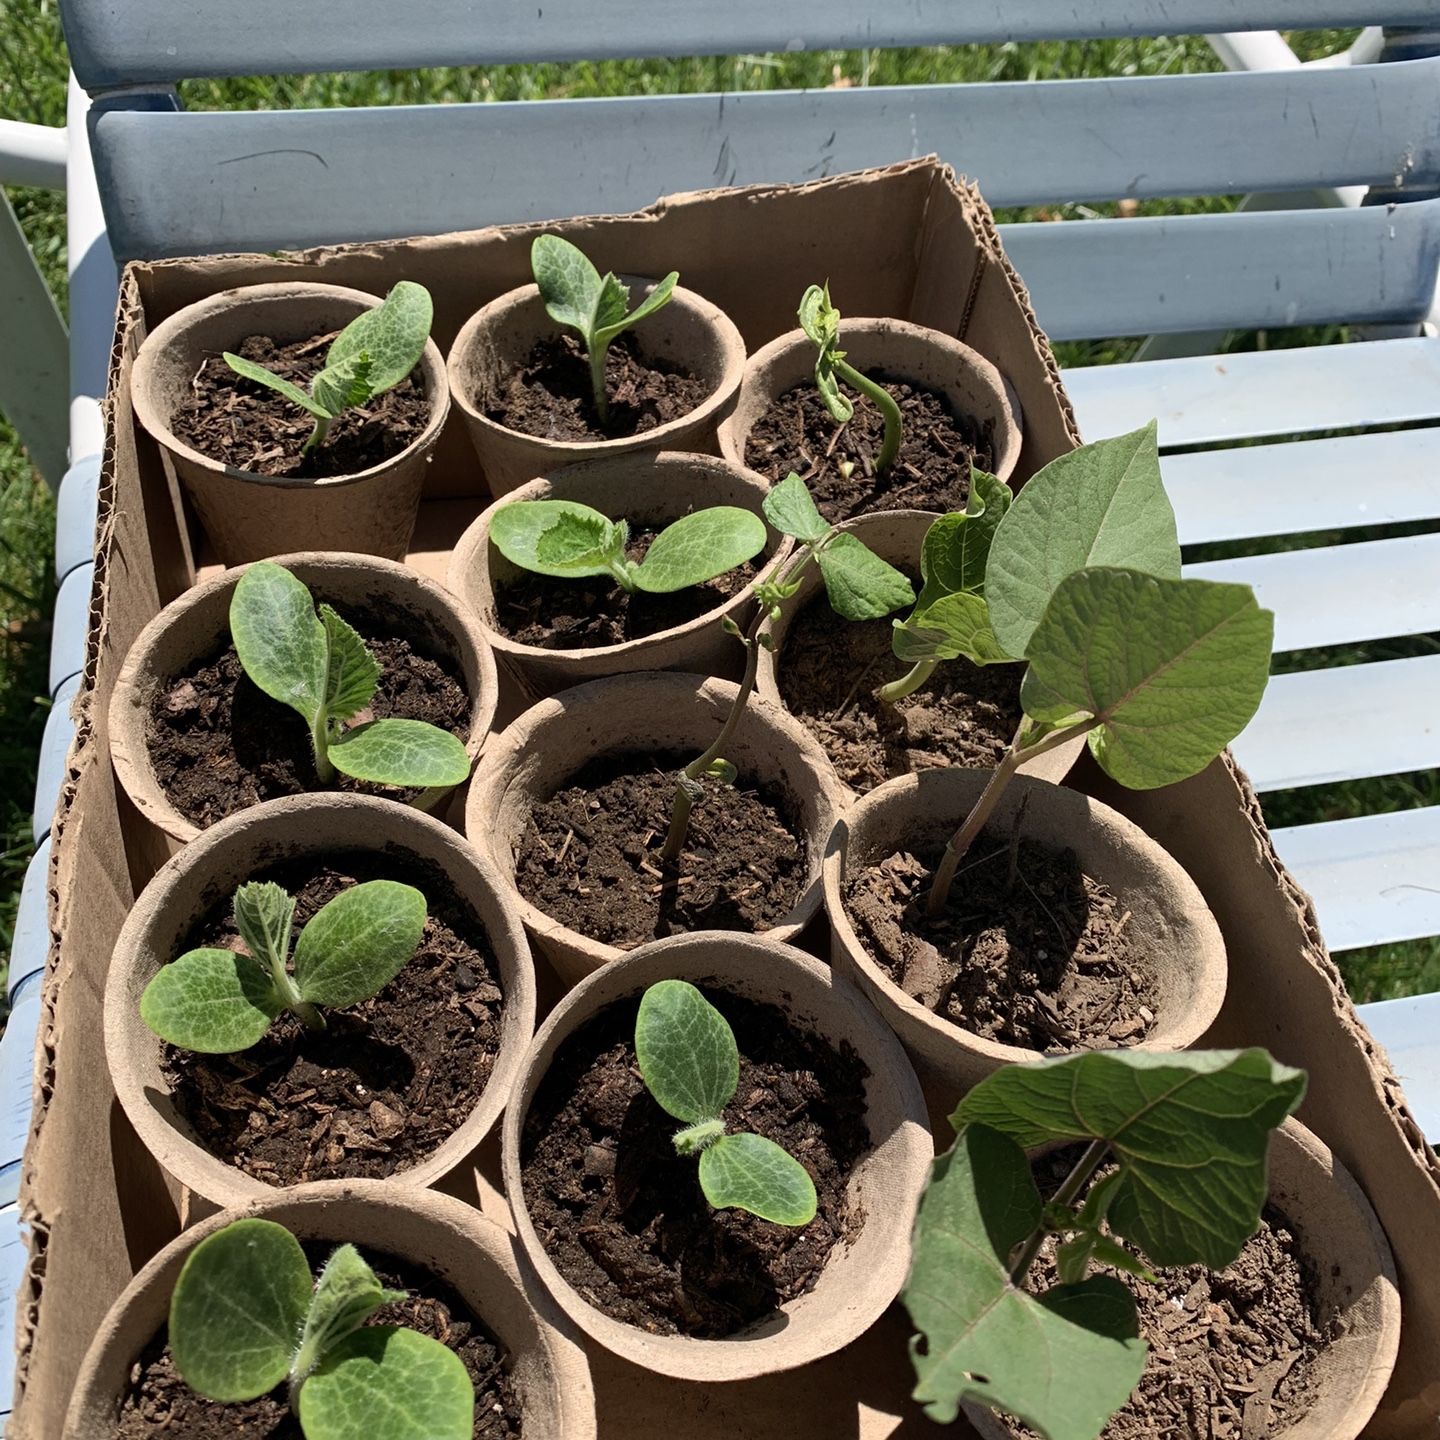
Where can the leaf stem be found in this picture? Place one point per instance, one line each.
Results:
(882, 399)
(597, 382)
(1067, 1194)
(911, 681)
(318, 434)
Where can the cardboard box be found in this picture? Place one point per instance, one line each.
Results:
(908, 241)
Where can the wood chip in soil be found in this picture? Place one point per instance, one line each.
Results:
(551, 397)
(1041, 957)
(590, 856)
(219, 744)
(931, 472)
(623, 1217)
(388, 1081)
(242, 423)
(158, 1403)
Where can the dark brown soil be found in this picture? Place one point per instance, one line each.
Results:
(828, 671)
(584, 614)
(931, 472)
(590, 856)
(251, 427)
(219, 744)
(388, 1081)
(1043, 961)
(623, 1217)
(550, 396)
(158, 1402)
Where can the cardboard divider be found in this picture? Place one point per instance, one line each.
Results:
(909, 241)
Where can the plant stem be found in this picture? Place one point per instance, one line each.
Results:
(318, 434)
(290, 991)
(597, 381)
(320, 739)
(911, 681)
(314, 1020)
(878, 395)
(1067, 1194)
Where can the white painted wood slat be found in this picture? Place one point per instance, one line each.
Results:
(1408, 1029)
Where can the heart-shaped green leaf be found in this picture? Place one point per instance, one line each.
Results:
(214, 1002)
(953, 625)
(279, 638)
(409, 753)
(569, 284)
(700, 546)
(686, 1051)
(352, 672)
(956, 547)
(1063, 1361)
(790, 509)
(861, 585)
(347, 1294)
(1189, 1130)
(358, 942)
(576, 539)
(749, 1172)
(392, 337)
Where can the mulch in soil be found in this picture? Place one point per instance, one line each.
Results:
(931, 472)
(244, 424)
(551, 397)
(1043, 960)
(589, 857)
(219, 744)
(387, 1081)
(623, 1217)
(556, 614)
(157, 1402)
(828, 671)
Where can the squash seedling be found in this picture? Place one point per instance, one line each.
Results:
(246, 1316)
(1183, 1138)
(568, 540)
(320, 667)
(820, 321)
(859, 585)
(691, 1066)
(594, 305)
(371, 355)
(217, 1001)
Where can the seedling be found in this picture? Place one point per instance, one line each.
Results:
(577, 295)
(691, 1065)
(216, 1001)
(860, 586)
(320, 667)
(1185, 1136)
(246, 1316)
(569, 540)
(371, 355)
(820, 320)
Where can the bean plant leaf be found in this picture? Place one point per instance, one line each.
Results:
(237, 1310)
(386, 1381)
(861, 585)
(213, 1002)
(352, 672)
(401, 752)
(278, 637)
(1062, 1361)
(1189, 1132)
(581, 539)
(687, 1052)
(789, 507)
(358, 942)
(250, 370)
(820, 321)
(264, 914)
(391, 337)
(1173, 669)
(956, 547)
(347, 1294)
(749, 1172)
(1103, 504)
(953, 625)
(700, 546)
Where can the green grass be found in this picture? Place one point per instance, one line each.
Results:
(32, 87)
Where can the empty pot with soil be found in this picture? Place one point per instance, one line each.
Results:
(400, 1086)
(554, 632)
(614, 1220)
(238, 448)
(1067, 927)
(467, 1287)
(954, 407)
(571, 804)
(194, 739)
(825, 671)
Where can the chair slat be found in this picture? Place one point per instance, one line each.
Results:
(1372, 878)
(180, 183)
(1341, 594)
(1208, 398)
(1407, 1029)
(148, 41)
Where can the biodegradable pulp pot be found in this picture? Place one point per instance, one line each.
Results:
(1350, 1265)
(646, 490)
(551, 741)
(197, 626)
(1170, 923)
(372, 511)
(857, 1282)
(450, 1239)
(205, 874)
(895, 536)
(496, 341)
(973, 386)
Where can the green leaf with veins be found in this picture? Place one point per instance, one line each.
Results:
(1189, 1132)
(1074, 1257)
(337, 388)
(790, 509)
(249, 370)
(391, 337)
(956, 547)
(861, 585)
(358, 942)
(401, 752)
(1173, 669)
(1063, 1361)
(264, 915)
(952, 625)
(280, 641)
(347, 1294)
(749, 1172)
(577, 534)
(577, 295)
(213, 1002)
(700, 546)
(352, 672)
(613, 319)
(686, 1051)
(820, 321)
